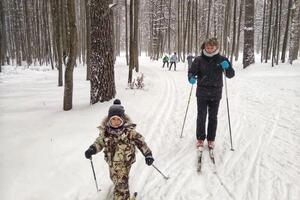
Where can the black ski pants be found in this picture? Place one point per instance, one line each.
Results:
(174, 66)
(165, 63)
(212, 106)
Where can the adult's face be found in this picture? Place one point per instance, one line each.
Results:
(210, 49)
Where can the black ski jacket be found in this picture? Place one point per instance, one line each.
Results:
(209, 75)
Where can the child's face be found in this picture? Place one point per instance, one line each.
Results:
(210, 49)
(115, 121)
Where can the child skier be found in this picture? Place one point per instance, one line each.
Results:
(119, 138)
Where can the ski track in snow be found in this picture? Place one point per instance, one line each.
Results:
(265, 118)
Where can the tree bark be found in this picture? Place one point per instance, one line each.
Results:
(3, 29)
(68, 90)
(284, 45)
(102, 59)
(88, 39)
(295, 32)
(248, 57)
(234, 31)
(126, 32)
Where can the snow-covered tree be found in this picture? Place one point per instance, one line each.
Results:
(68, 90)
(102, 52)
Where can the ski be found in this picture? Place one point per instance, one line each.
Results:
(211, 155)
(199, 161)
(212, 158)
(199, 158)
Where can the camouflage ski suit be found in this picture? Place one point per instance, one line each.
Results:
(119, 153)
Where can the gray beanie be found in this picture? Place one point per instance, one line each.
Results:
(116, 109)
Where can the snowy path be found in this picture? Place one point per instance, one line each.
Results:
(261, 167)
(41, 147)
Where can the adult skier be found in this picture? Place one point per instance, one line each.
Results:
(207, 70)
(173, 60)
(165, 60)
(190, 58)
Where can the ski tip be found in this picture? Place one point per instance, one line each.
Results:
(200, 148)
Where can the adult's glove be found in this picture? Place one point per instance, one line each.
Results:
(149, 159)
(224, 64)
(91, 151)
(192, 80)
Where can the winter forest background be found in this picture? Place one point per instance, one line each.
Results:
(78, 55)
(60, 33)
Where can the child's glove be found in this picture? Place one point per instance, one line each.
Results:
(149, 159)
(192, 80)
(91, 151)
(224, 64)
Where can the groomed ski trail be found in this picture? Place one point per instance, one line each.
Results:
(240, 174)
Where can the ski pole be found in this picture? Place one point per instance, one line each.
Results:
(94, 174)
(228, 114)
(165, 177)
(187, 108)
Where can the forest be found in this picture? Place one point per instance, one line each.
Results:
(66, 33)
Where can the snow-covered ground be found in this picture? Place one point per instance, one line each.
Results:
(42, 147)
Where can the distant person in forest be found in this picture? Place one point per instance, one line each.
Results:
(207, 71)
(165, 60)
(173, 60)
(190, 58)
(119, 139)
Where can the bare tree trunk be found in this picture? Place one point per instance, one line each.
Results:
(275, 35)
(131, 44)
(248, 57)
(57, 24)
(159, 34)
(68, 91)
(237, 50)
(234, 31)
(102, 60)
(3, 49)
(269, 33)
(284, 45)
(126, 32)
(279, 33)
(178, 30)
(208, 19)
(295, 32)
(185, 30)
(88, 39)
(196, 27)
(116, 22)
(28, 33)
(192, 27)
(135, 33)
(169, 27)
(189, 27)
(263, 32)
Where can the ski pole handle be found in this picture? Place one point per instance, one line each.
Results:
(165, 177)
